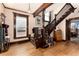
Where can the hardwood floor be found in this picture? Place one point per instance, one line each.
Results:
(59, 49)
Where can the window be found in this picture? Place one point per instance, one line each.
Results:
(20, 26)
(47, 15)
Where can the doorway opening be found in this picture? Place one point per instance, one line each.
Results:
(72, 29)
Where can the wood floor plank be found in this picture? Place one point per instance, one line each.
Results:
(59, 49)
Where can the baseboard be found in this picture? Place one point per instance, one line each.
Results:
(61, 40)
(19, 42)
(64, 40)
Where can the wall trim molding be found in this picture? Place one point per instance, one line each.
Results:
(14, 9)
(18, 42)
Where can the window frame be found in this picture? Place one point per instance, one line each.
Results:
(44, 17)
(47, 16)
(27, 24)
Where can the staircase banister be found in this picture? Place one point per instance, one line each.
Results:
(51, 26)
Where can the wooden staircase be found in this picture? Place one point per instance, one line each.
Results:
(62, 14)
(40, 39)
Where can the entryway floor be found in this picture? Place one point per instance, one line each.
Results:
(59, 49)
(75, 39)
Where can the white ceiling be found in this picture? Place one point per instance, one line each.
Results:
(35, 6)
(24, 6)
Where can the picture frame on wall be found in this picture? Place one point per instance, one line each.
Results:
(38, 20)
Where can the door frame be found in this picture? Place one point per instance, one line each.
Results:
(67, 30)
(68, 22)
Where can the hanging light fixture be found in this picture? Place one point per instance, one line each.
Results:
(29, 8)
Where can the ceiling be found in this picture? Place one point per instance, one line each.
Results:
(24, 6)
(34, 6)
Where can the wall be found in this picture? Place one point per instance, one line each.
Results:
(1, 9)
(63, 28)
(10, 20)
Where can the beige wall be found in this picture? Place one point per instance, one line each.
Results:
(1, 9)
(10, 20)
(63, 28)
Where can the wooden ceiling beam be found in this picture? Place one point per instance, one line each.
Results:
(41, 8)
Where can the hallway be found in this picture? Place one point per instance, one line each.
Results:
(59, 49)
